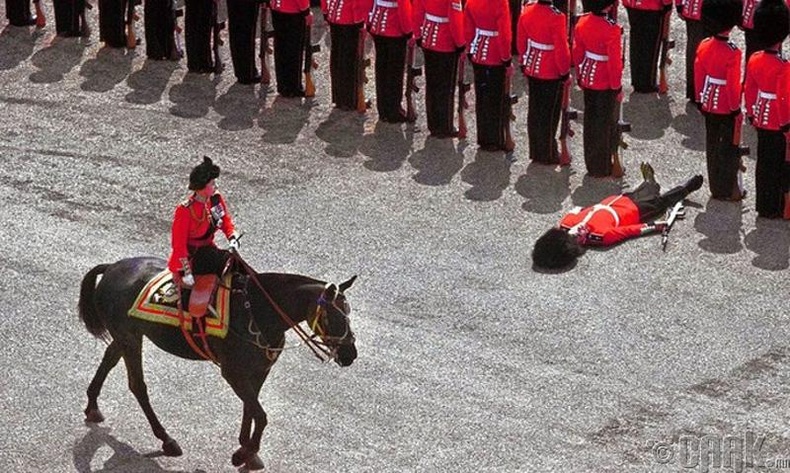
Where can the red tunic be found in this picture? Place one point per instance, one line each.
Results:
(765, 90)
(439, 24)
(193, 227)
(542, 41)
(651, 5)
(613, 220)
(346, 12)
(289, 6)
(692, 9)
(717, 75)
(488, 31)
(597, 52)
(390, 18)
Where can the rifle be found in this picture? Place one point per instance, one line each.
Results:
(216, 41)
(41, 19)
(266, 76)
(463, 88)
(131, 17)
(362, 79)
(411, 86)
(510, 117)
(567, 114)
(666, 45)
(676, 212)
(622, 127)
(309, 62)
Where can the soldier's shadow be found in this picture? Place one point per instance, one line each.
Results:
(342, 131)
(55, 61)
(17, 44)
(150, 82)
(437, 162)
(239, 106)
(721, 224)
(388, 146)
(594, 189)
(648, 114)
(489, 175)
(124, 458)
(770, 240)
(544, 187)
(194, 96)
(692, 126)
(285, 119)
(109, 68)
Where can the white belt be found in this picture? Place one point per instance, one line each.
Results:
(437, 19)
(766, 95)
(715, 81)
(541, 46)
(595, 208)
(386, 4)
(479, 32)
(596, 57)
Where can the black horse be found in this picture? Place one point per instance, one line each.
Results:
(262, 310)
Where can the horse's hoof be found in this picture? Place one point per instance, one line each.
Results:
(171, 448)
(93, 416)
(239, 457)
(254, 463)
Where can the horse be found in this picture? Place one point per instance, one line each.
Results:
(271, 305)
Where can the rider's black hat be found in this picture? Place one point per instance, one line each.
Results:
(202, 174)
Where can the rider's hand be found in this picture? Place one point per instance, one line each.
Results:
(188, 280)
(233, 242)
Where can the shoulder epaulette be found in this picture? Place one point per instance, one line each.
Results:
(187, 202)
(611, 20)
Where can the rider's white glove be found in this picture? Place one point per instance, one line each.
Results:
(233, 242)
(188, 280)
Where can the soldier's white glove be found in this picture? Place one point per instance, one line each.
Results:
(188, 280)
(233, 242)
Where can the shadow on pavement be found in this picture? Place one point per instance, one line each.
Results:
(285, 119)
(388, 146)
(649, 115)
(692, 126)
(437, 162)
(239, 106)
(342, 131)
(489, 175)
(149, 83)
(109, 68)
(55, 61)
(721, 224)
(16, 44)
(194, 96)
(544, 187)
(594, 189)
(770, 240)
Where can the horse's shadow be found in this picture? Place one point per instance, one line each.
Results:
(437, 162)
(721, 225)
(649, 115)
(124, 459)
(692, 126)
(770, 240)
(285, 119)
(149, 83)
(55, 61)
(342, 131)
(194, 96)
(17, 44)
(489, 175)
(388, 146)
(109, 68)
(594, 189)
(544, 188)
(239, 106)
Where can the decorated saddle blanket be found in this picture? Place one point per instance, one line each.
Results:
(158, 303)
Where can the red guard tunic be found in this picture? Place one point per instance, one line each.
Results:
(346, 12)
(542, 42)
(488, 31)
(690, 9)
(194, 225)
(649, 5)
(613, 220)
(289, 6)
(597, 52)
(392, 18)
(439, 24)
(717, 75)
(764, 92)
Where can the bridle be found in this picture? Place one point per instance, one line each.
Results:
(320, 323)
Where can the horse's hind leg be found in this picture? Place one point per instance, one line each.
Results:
(111, 357)
(133, 358)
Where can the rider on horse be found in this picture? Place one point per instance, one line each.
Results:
(193, 249)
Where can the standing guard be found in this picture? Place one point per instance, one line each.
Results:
(717, 78)
(347, 63)
(597, 55)
(546, 62)
(116, 23)
(487, 25)
(70, 18)
(201, 19)
(290, 19)
(18, 13)
(159, 18)
(390, 24)
(440, 33)
(242, 24)
(690, 11)
(646, 19)
(765, 99)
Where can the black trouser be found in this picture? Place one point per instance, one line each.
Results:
(18, 12)
(112, 21)
(695, 33)
(242, 24)
(490, 105)
(289, 43)
(600, 131)
(543, 118)
(645, 48)
(160, 22)
(441, 72)
(771, 173)
(199, 18)
(344, 63)
(69, 17)
(208, 260)
(390, 64)
(721, 155)
(651, 202)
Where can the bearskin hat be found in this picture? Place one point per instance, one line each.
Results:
(721, 15)
(556, 249)
(202, 174)
(771, 22)
(596, 6)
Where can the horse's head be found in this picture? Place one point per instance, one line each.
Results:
(331, 323)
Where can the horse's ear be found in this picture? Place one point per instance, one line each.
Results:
(347, 284)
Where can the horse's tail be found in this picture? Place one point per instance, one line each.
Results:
(87, 304)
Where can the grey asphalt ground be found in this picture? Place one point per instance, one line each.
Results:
(470, 360)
